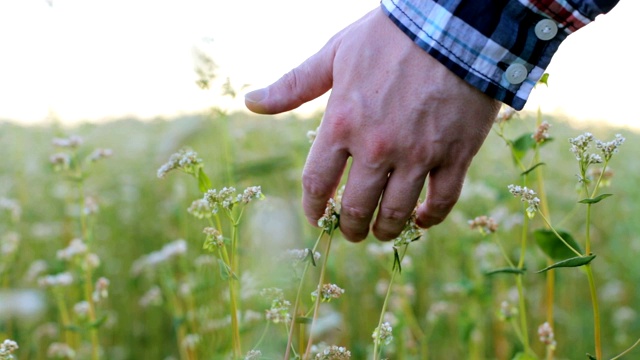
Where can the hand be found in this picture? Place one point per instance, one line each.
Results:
(398, 113)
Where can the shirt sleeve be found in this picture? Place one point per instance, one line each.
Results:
(500, 47)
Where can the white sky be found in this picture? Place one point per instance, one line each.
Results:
(94, 60)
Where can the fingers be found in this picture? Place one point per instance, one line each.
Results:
(400, 198)
(360, 199)
(321, 175)
(445, 184)
(304, 83)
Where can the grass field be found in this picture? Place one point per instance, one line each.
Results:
(442, 304)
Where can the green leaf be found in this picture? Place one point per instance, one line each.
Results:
(309, 257)
(99, 322)
(303, 320)
(524, 356)
(396, 261)
(531, 168)
(521, 145)
(544, 79)
(203, 181)
(553, 247)
(595, 200)
(225, 271)
(573, 262)
(506, 271)
(591, 357)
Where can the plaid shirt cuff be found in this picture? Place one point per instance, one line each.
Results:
(501, 48)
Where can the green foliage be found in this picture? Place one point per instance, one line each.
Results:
(441, 292)
(576, 261)
(553, 246)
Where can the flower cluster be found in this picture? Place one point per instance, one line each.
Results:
(328, 292)
(334, 352)
(99, 154)
(580, 144)
(484, 224)
(78, 251)
(13, 207)
(542, 133)
(507, 311)
(611, 147)
(61, 279)
(410, 233)
(76, 248)
(279, 311)
(200, 209)
(526, 195)
(185, 160)
(545, 333)
(253, 355)
(505, 114)
(330, 219)
(226, 198)
(61, 351)
(168, 252)
(152, 297)
(299, 255)
(101, 289)
(60, 161)
(214, 239)
(9, 244)
(311, 135)
(71, 142)
(7, 348)
(383, 334)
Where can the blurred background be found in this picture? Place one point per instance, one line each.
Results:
(98, 60)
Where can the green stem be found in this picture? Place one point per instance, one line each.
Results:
(307, 352)
(88, 293)
(233, 303)
(377, 349)
(596, 312)
(626, 351)
(523, 315)
(588, 232)
(521, 299)
(64, 316)
(296, 304)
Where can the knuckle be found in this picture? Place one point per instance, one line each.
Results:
(354, 212)
(313, 186)
(393, 215)
(290, 80)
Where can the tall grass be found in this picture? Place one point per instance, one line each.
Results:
(441, 305)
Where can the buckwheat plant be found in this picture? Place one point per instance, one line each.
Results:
(9, 239)
(382, 335)
(7, 348)
(324, 292)
(215, 206)
(71, 161)
(560, 247)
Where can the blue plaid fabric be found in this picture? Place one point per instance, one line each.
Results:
(480, 39)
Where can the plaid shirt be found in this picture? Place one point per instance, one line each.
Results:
(499, 46)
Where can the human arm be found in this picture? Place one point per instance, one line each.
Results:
(499, 47)
(403, 114)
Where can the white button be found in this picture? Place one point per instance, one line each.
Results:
(546, 29)
(516, 74)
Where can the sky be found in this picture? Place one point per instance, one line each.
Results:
(90, 60)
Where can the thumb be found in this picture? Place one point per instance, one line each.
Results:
(306, 82)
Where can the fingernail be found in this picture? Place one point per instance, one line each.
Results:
(256, 96)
